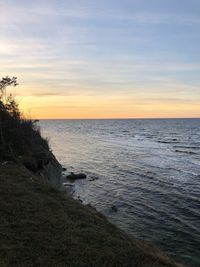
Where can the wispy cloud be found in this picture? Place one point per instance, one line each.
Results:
(77, 49)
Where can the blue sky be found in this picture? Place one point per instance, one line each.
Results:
(88, 58)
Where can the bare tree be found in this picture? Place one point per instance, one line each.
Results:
(7, 103)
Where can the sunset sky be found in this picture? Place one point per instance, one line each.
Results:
(103, 59)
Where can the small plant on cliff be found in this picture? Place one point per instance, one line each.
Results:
(20, 138)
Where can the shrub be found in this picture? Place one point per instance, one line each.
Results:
(20, 138)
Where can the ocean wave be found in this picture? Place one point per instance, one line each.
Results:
(186, 152)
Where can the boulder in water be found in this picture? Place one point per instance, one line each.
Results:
(114, 208)
(73, 176)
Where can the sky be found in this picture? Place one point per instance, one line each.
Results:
(103, 58)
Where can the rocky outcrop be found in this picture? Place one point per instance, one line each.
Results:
(52, 170)
(46, 166)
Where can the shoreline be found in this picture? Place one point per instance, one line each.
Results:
(51, 228)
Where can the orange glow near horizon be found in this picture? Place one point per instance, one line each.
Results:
(95, 107)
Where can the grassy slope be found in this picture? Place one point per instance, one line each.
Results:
(42, 227)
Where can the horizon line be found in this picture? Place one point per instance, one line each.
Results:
(164, 118)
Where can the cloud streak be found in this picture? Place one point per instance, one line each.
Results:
(95, 49)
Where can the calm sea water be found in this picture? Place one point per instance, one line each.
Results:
(148, 169)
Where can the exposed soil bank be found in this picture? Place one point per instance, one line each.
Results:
(40, 226)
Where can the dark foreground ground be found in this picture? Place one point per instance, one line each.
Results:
(40, 226)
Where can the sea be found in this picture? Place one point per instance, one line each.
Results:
(143, 174)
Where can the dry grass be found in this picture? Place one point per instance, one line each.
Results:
(40, 226)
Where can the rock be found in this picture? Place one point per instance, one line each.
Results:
(114, 208)
(68, 184)
(93, 178)
(73, 176)
(53, 171)
(64, 169)
(69, 188)
(79, 199)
